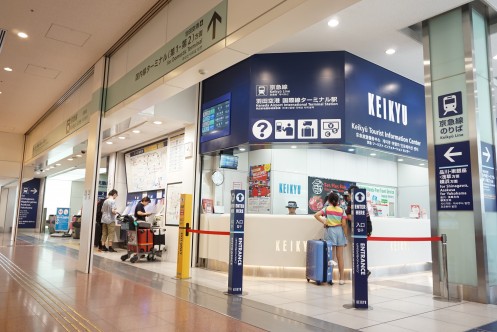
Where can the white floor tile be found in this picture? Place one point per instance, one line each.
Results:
(422, 324)
(346, 320)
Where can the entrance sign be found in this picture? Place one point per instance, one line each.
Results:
(29, 203)
(237, 227)
(359, 250)
(62, 221)
(453, 176)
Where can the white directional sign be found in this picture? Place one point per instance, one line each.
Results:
(449, 154)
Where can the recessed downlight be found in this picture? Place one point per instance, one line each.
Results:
(22, 35)
(136, 131)
(122, 137)
(109, 142)
(293, 146)
(58, 164)
(372, 154)
(241, 149)
(400, 159)
(7, 69)
(351, 149)
(79, 156)
(70, 159)
(157, 122)
(333, 23)
(390, 51)
(422, 164)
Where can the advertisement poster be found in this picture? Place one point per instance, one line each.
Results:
(259, 200)
(62, 221)
(29, 203)
(319, 188)
(382, 201)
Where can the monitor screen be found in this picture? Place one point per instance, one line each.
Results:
(216, 115)
(228, 161)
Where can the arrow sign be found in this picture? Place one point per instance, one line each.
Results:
(240, 197)
(34, 191)
(359, 197)
(449, 154)
(212, 22)
(486, 154)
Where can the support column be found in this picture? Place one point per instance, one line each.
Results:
(461, 151)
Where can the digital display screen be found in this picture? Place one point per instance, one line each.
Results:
(216, 116)
(228, 161)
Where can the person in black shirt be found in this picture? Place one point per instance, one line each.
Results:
(140, 213)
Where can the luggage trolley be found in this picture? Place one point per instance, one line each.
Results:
(142, 240)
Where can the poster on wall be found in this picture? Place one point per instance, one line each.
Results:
(29, 203)
(146, 168)
(62, 221)
(173, 200)
(318, 190)
(259, 200)
(381, 201)
(176, 153)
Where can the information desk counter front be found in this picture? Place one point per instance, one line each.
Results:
(275, 245)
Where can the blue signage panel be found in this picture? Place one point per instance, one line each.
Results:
(488, 176)
(62, 221)
(297, 97)
(453, 176)
(29, 203)
(384, 110)
(359, 250)
(237, 227)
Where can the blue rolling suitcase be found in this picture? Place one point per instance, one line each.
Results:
(318, 261)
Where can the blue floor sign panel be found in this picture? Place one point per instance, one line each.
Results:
(488, 176)
(359, 250)
(237, 225)
(453, 176)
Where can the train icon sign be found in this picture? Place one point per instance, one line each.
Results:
(450, 104)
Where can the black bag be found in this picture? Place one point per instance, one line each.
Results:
(99, 210)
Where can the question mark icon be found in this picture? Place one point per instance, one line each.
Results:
(262, 129)
(264, 126)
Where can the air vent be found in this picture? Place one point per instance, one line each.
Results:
(2, 38)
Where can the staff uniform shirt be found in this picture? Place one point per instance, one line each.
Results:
(140, 207)
(334, 215)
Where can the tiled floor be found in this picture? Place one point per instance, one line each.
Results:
(123, 296)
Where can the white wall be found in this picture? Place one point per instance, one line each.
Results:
(57, 194)
(77, 190)
(413, 188)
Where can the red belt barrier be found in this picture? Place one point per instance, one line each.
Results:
(189, 230)
(379, 238)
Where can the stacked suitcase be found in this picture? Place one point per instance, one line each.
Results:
(318, 261)
(143, 241)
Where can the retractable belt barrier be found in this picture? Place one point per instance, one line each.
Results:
(198, 231)
(382, 238)
(442, 238)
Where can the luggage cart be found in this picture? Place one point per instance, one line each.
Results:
(140, 240)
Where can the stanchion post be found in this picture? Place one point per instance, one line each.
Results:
(445, 266)
(184, 242)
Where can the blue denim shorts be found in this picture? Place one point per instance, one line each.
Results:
(335, 235)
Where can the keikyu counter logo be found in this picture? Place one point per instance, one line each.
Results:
(387, 109)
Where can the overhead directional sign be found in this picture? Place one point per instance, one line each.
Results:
(453, 176)
(488, 176)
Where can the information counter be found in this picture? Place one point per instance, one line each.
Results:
(275, 245)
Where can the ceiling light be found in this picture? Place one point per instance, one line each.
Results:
(0, 92)
(109, 142)
(7, 69)
(372, 154)
(495, 57)
(400, 159)
(58, 164)
(79, 156)
(122, 137)
(293, 146)
(70, 159)
(241, 149)
(351, 149)
(390, 51)
(333, 23)
(157, 122)
(22, 35)
(422, 164)
(136, 131)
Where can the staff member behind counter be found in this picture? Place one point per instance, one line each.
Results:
(140, 213)
(292, 207)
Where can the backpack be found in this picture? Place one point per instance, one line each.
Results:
(99, 210)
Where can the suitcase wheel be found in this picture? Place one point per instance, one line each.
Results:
(150, 257)
(308, 280)
(133, 259)
(124, 257)
(330, 282)
(318, 283)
